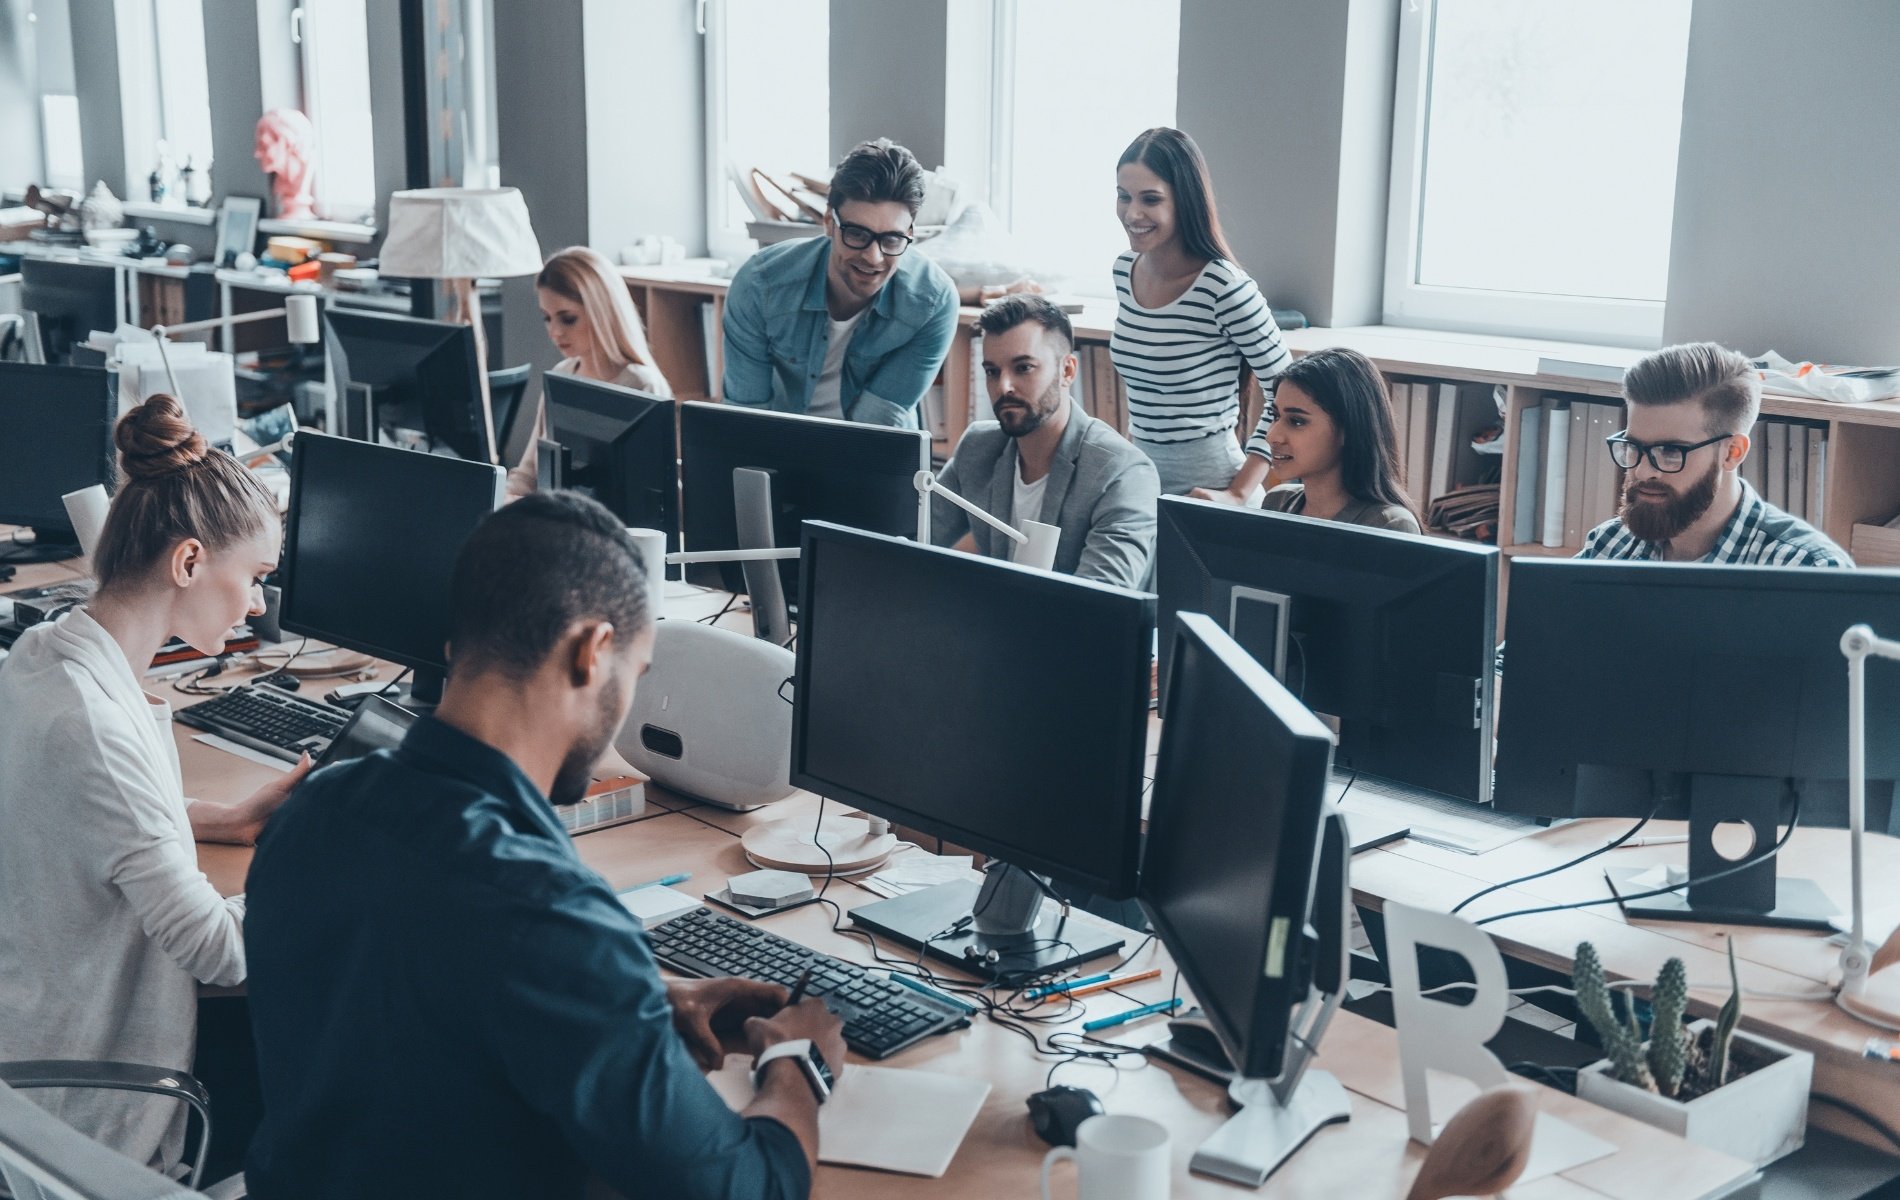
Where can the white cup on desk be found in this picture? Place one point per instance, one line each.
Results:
(1117, 1157)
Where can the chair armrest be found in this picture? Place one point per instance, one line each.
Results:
(118, 1077)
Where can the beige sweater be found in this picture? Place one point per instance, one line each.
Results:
(107, 924)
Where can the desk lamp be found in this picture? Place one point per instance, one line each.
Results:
(1858, 961)
(462, 234)
(1035, 542)
(299, 313)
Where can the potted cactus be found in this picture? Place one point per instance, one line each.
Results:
(1705, 1081)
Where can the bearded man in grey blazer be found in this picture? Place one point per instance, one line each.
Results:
(1044, 459)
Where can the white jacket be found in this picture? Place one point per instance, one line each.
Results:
(106, 922)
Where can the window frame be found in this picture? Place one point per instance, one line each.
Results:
(348, 210)
(1634, 323)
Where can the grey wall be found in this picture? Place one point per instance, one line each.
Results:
(1785, 233)
(645, 174)
(887, 74)
(1292, 105)
(20, 161)
(96, 82)
(232, 45)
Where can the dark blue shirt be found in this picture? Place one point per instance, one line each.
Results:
(446, 1002)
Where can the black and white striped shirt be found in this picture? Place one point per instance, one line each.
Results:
(1181, 361)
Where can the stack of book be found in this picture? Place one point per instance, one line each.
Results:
(1788, 466)
(1436, 426)
(1566, 482)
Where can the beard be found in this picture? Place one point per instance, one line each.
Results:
(1018, 422)
(1663, 520)
(577, 768)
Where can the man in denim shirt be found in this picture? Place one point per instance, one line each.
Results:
(846, 325)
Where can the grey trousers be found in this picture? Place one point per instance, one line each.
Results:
(1210, 462)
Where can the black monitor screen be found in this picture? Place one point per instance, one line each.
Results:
(1000, 707)
(1619, 676)
(71, 300)
(618, 446)
(1391, 633)
(1233, 827)
(422, 375)
(863, 476)
(371, 540)
(55, 438)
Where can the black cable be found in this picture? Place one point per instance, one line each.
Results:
(714, 619)
(1860, 1114)
(1555, 1076)
(1582, 858)
(1617, 898)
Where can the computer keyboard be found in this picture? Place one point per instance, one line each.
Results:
(268, 719)
(1435, 819)
(880, 1017)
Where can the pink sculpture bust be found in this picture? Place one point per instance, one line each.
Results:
(285, 141)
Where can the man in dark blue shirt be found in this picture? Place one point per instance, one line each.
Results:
(446, 1002)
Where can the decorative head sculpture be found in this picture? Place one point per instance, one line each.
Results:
(285, 143)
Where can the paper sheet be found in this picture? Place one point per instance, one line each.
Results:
(245, 752)
(884, 1118)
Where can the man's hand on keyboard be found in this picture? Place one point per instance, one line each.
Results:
(705, 1011)
(240, 823)
(809, 1018)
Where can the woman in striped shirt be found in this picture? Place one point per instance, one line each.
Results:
(1189, 316)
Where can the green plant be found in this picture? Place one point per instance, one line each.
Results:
(1668, 1040)
(1725, 1022)
(1622, 1040)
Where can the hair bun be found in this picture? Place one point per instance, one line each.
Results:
(156, 438)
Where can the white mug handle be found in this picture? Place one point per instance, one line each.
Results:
(1051, 1159)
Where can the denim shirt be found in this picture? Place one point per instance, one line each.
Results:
(777, 328)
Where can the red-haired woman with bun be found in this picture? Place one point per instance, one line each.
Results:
(109, 926)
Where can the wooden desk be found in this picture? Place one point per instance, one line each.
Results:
(1370, 1156)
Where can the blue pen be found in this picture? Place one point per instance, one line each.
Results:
(919, 986)
(1051, 989)
(667, 881)
(1145, 1010)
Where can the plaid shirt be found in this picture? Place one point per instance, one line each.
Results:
(1758, 534)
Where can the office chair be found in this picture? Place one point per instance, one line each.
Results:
(505, 391)
(43, 1158)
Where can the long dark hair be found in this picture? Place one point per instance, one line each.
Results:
(1350, 390)
(1173, 155)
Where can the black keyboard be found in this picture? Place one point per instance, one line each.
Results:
(880, 1017)
(269, 719)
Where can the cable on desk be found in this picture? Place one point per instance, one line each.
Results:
(1860, 1114)
(1619, 899)
(1581, 858)
(715, 618)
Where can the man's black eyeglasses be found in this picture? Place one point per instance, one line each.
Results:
(1667, 457)
(858, 237)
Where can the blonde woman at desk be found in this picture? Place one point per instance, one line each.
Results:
(1328, 425)
(591, 320)
(109, 925)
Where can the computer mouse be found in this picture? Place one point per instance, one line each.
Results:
(1057, 1113)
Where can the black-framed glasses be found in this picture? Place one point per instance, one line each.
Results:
(858, 237)
(1667, 457)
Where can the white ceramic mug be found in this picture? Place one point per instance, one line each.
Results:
(652, 546)
(1117, 1157)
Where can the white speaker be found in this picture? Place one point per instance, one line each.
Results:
(708, 720)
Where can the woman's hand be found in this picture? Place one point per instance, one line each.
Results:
(1219, 496)
(239, 824)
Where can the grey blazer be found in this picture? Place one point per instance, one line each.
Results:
(1102, 493)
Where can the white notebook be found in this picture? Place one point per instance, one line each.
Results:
(884, 1118)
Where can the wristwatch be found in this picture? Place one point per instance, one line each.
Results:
(810, 1062)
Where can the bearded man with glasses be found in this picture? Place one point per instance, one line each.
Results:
(1691, 410)
(847, 325)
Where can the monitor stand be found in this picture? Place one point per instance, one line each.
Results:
(1278, 1115)
(48, 545)
(1026, 937)
(1752, 896)
(419, 693)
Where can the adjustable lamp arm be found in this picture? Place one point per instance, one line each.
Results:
(927, 485)
(299, 313)
(1857, 645)
(1036, 542)
(726, 556)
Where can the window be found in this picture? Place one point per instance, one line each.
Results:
(164, 91)
(333, 37)
(1534, 166)
(768, 103)
(1057, 130)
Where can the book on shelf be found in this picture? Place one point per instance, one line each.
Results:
(1752, 465)
(1817, 476)
(1592, 478)
(1556, 470)
(1611, 484)
(1530, 454)
(1776, 468)
(1444, 438)
(1401, 394)
(1578, 450)
(1798, 471)
(1418, 458)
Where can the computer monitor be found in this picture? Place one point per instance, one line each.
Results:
(863, 476)
(405, 373)
(617, 445)
(1244, 881)
(55, 438)
(1711, 693)
(370, 543)
(1391, 634)
(71, 300)
(1001, 708)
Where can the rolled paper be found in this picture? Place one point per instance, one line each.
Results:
(86, 509)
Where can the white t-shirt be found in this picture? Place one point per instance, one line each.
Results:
(1026, 504)
(825, 400)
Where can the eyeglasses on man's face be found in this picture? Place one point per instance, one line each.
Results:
(858, 237)
(1667, 457)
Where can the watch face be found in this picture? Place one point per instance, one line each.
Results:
(818, 1064)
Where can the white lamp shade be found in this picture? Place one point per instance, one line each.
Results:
(459, 233)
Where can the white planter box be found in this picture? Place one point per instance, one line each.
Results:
(1757, 1118)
